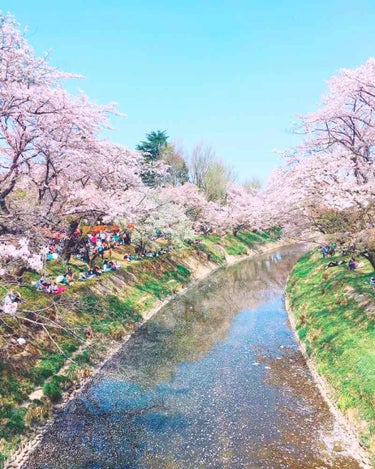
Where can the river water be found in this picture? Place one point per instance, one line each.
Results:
(214, 380)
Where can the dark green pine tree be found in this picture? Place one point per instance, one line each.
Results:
(155, 142)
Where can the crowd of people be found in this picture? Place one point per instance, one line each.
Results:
(147, 254)
(93, 244)
(96, 244)
(96, 271)
(54, 287)
(329, 250)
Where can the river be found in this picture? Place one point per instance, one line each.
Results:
(214, 380)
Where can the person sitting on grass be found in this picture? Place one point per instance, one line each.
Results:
(62, 279)
(13, 297)
(42, 283)
(90, 273)
(97, 270)
(82, 277)
(115, 265)
(46, 284)
(69, 274)
(353, 264)
(55, 289)
(334, 264)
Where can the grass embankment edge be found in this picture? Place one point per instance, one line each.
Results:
(317, 301)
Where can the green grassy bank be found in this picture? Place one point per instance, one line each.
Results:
(334, 310)
(67, 336)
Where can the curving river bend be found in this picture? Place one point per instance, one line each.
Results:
(214, 380)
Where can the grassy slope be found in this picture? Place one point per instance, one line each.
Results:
(335, 318)
(106, 308)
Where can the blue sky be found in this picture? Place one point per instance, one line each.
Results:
(234, 74)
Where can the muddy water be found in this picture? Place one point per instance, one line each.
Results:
(214, 380)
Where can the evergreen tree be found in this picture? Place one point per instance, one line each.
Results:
(154, 144)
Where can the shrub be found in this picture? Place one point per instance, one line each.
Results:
(47, 367)
(16, 422)
(52, 389)
(84, 357)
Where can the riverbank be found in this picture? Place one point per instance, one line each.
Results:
(332, 313)
(147, 286)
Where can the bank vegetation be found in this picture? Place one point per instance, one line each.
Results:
(334, 314)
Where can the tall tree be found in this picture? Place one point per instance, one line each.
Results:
(328, 183)
(154, 144)
(177, 171)
(152, 149)
(346, 120)
(45, 132)
(209, 173)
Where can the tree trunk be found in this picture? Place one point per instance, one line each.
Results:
(71, 242)
(370, 256)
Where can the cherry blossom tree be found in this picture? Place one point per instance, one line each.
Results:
(345, 121)
(40, 123)
(53, 165)
(204, 215)
(340, 139)
(331, 175)
(241, 209)
(16, 255)
(150, 209)
(56, 170)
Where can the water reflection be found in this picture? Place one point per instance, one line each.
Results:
(215, 379)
